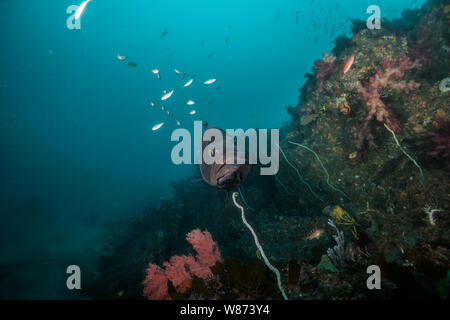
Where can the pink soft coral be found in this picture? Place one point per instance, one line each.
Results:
(155, 283)
(179, 270)
(207, 251)
(387, 77)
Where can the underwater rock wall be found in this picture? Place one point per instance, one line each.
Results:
(392, 183)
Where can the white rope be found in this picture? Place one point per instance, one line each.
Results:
(255, 237)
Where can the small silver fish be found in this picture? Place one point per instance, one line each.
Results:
(209, 81)
(157, 126)
(167, 95)
(187, 84)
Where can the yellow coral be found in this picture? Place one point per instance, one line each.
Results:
(340, 216)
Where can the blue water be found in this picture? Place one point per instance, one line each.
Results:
(75, 122)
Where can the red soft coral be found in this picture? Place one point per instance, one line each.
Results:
(180, 269)
(207, 251)
(387, 77)
(155, 283)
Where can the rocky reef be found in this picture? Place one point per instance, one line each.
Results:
(363, 181)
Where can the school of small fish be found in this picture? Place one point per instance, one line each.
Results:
(167, 95)
(330, 27)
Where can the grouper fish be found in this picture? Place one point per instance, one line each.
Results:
(224, 175)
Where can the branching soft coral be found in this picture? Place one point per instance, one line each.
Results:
(387, 77)
(155, 283)
(179, 270)
(207, 251)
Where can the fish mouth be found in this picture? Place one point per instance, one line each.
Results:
(228, 180)
(223, 172)
(231, 176)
